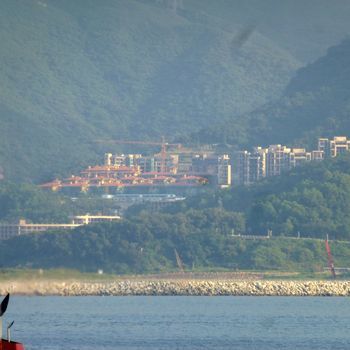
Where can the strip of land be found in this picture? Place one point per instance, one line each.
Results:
(178, 287)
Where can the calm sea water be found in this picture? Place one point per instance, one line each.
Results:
(173, 323)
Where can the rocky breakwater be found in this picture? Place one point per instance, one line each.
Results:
(179, 287)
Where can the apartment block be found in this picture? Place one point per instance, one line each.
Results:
(300, 156)
(250, 167)
(333, 147)
(241, 167)
(217, 167)
(257, 164)
(224, 171)
(278, 159)
(317, 155)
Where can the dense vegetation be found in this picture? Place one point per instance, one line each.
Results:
(28, 202)
(147, 244)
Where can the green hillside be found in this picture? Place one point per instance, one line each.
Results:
(306, 29)
(315, 103)
(77, 71)
(200, 71)
(147, 244)
(28, 202)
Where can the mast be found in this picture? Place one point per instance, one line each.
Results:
(3, 308)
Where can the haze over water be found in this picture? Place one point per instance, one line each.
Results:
(169, 323)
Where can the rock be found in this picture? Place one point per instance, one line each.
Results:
(180, 287)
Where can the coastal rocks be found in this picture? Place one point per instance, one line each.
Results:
(180, 287)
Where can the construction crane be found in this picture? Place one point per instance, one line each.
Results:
(163, 151)
(330, 258)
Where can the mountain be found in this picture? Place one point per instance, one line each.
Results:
(306, 29)
(315, 103)
(76, 71)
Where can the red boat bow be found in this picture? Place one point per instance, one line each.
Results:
(10, 345)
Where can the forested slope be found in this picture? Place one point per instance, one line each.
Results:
(315, 103)
(73, 72)
(147, 244)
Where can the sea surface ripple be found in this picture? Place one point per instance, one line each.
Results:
(174, 323)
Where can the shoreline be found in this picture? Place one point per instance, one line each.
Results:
(177, 287)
